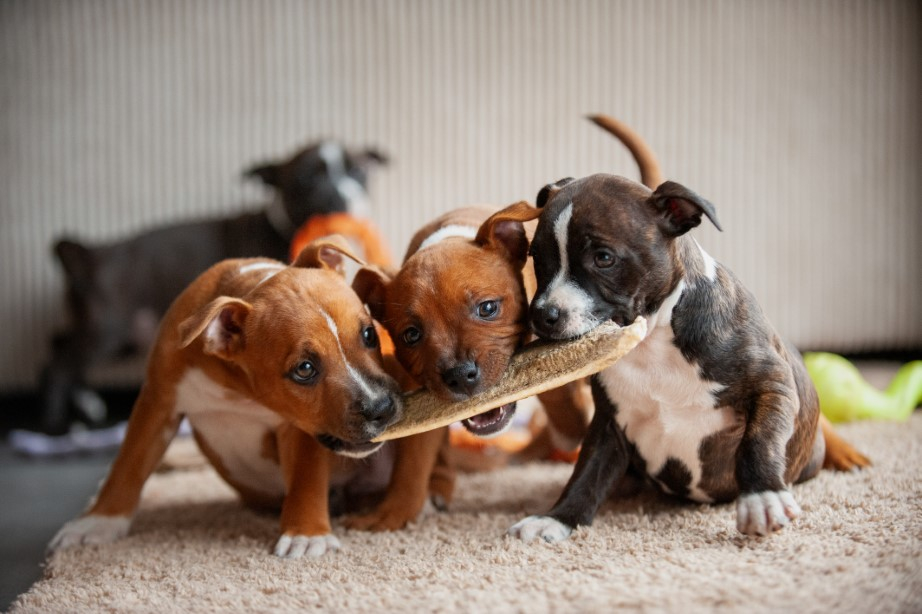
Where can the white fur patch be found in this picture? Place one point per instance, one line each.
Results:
(451, 230)
(90, 530)
(353, 373)
(298, 546)
(574, 303)
(348, 187)
(710, 265)
(664, 406)
(759, 514)
(234, 428)
(535, 526)
(270, 268)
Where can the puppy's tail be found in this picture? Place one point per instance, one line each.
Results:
(650, 173)
(840, 455)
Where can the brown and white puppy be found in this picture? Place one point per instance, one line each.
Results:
(457, 311)
(117, 292)
(279, 372)
(713, 405)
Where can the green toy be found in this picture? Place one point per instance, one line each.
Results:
(846, 396)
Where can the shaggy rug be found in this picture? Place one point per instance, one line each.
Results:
(194, 548)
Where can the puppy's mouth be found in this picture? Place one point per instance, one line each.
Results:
(348, 449)
(491, 423)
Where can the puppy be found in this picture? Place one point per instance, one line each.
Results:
(712, 406)
(118, 292)
(457, 311)
(279, 372)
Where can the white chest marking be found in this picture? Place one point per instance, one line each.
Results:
(574, 303)
(234, 428)
(451, 230)
(664, 406)
(354, 373)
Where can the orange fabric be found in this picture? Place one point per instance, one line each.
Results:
(362, 231)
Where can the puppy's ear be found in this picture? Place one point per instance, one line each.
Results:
(370, 284)
(327, 253)
(545, 194)
(220, 324)
(269, 174)
(504, 231)
(78, 262)
(679, 209)
(371, 157)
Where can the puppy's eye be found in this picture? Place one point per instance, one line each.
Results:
(488, 309)
(304, 372)
(412, 335)
(603, 259)
(370, 336)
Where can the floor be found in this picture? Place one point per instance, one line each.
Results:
(40, 494)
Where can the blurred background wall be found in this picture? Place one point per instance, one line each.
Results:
(799, 120)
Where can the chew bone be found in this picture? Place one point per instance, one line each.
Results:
(536, 368)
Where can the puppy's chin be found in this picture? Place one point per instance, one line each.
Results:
(356, 450)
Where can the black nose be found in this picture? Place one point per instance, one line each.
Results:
(378, 411)
(462, 378)
(550, 315)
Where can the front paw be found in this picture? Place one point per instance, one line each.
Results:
(90, 530)
(762, 513)
(385, 518)
(297, 546)
(548, 528)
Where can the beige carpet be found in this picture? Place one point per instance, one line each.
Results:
(193, 548)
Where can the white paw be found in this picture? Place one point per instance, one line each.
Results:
(548, 528)
(295, 547)
(90, 530)
(762, 513)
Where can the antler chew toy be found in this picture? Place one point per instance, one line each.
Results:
(536, 368)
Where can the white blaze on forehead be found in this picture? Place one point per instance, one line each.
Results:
(452, 230)
(270, 268)
(354, 373)
(348, 187)
(574, 303)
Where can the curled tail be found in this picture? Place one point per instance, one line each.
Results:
(650, 173)
(840, 455)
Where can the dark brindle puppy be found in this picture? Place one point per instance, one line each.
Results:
(712, 405)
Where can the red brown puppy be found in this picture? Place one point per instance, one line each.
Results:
(279, 372)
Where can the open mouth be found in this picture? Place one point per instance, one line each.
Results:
(349, 449)
(491, 423)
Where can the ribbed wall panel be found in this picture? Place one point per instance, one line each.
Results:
(799, 120)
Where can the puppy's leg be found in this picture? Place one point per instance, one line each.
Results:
(409, 486)
(602, 461)
(765, 504)
(152, 425)
(305, 520)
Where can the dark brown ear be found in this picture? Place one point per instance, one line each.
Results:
(268, 173)
(504, 231)
(220, 324)
(370, 284)
(326, 253)
(679, 209)
(545, 194)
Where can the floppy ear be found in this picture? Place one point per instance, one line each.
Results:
(370, 284)
(680, 209)
(327, 253)
(371, 157)
(545, 194)
(504, 231)
(268, 173)
(221, 326)
(78, 262)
